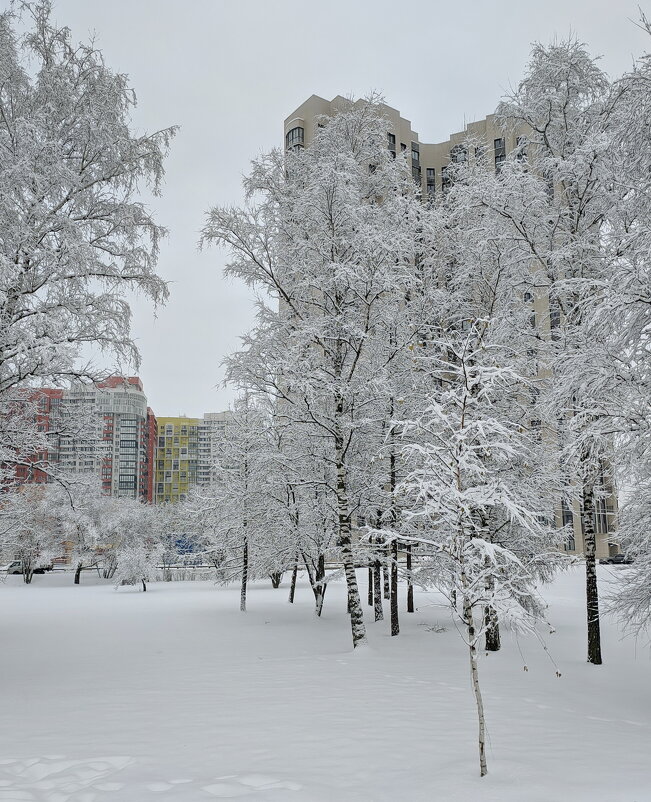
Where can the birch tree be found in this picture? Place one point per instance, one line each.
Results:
(567, 108)
(621, 317)
(329, 235)
(452, 486)
(75, 236)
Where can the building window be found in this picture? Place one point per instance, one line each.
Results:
(499, 146)
(391, 139)
(295, 139)
(458, 155)
(601, 516)
(415, 174)
(521, 143)
(567, 516)
(430, 175)
(415, 153)
(446, 180)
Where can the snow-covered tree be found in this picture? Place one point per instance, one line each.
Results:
(135, 545)
(630, 597)
(129, 537)
(75, 237)
(621, 321)
(566, 106)
(28, 529)
(454, 484)
(77, 509)
(330, 234)
(231, 515)
(136, 564)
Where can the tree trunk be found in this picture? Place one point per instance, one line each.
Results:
(492, 639)
(78, 573)
(320, 600)
(393, 548)
(410, 586)
(144, 587)
(377, 591)
(276, 579)
(472, 652)
(591, 590)
(385, 577)
(245, 574)
(111, 567)
(316, 581)
(395, 624)
(370, 586)
(292, 584)
(357, 626)
(321, 585)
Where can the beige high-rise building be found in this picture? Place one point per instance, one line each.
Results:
(429, 162)
(429, 166)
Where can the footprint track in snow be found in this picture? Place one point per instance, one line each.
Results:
(233, 786)
(55, 778)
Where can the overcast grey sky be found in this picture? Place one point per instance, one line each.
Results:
(229, 72)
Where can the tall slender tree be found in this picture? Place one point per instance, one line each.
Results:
(330, 234)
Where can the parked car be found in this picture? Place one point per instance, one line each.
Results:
(617, 559)
(16, 567)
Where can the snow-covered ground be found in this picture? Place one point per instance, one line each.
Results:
(174, 694)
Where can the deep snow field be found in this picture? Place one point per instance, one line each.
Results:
(175, 695)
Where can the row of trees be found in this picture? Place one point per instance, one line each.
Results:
(436, 379)
(121, 538)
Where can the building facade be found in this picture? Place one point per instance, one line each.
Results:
(430, 163)
(187, 453)
(213, 429)
(48, 413)
(106, 428)
(177, 453)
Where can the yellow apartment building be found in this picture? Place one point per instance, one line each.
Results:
(177, 456)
